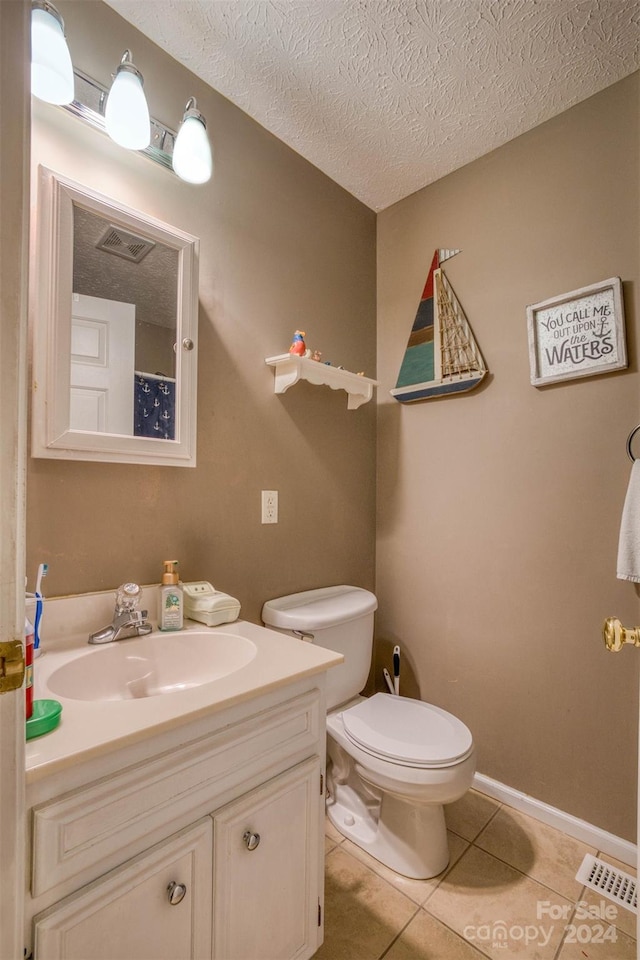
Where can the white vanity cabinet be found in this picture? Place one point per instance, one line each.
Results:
(204, 841)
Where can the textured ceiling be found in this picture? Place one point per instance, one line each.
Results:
(386, 96)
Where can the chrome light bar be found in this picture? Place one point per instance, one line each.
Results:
(88, 105)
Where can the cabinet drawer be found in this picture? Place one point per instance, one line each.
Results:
(83, 833)
(129, 913)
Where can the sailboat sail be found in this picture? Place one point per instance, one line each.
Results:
(442, 356)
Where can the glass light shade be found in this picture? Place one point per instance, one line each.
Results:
(192, 160)
(126, 112)
(51, 67)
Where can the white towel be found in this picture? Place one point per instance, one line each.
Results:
(629, 545)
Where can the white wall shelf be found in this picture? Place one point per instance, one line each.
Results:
(288, 369)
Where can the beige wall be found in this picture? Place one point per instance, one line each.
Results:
(499, 511)
(282, 247)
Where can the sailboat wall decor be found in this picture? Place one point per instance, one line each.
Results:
(442, 356)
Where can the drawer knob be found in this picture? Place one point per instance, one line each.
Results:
(176, 892)
(251, 839)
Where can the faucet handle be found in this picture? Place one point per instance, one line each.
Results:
(128, 597)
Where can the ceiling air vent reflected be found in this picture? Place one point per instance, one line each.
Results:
(123, 244)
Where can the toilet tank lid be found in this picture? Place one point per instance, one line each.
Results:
(316, 609)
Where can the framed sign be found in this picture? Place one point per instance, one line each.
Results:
(577, 334)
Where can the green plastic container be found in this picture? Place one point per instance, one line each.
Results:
(45, 718)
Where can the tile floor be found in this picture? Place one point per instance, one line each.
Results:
(509, 891)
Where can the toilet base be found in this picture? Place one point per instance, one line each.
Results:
(408, 837)
(393, 812)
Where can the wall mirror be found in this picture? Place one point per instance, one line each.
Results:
(114, 316)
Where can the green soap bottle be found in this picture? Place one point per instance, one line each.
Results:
(171, 598)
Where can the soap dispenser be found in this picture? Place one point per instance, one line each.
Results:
(171, 598)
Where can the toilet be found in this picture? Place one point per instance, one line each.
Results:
(392, 762)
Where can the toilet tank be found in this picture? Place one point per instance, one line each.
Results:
(338, 618)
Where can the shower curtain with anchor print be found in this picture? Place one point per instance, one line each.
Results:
(155, 406)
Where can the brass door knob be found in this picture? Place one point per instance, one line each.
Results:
(615, 636)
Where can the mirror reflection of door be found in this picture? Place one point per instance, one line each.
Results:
(123, 380)
(102, 368)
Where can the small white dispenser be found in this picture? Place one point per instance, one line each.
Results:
(202, 602)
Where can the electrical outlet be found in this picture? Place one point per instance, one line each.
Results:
(269, 506)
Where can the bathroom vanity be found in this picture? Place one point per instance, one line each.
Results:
(181, 824)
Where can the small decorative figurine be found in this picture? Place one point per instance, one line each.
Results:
(298, 347)
(316, 355)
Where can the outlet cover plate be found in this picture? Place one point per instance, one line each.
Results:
(269, 506)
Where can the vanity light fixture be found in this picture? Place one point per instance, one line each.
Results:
(51, 67)
(122, 111)
(126, 112)
(192, 159)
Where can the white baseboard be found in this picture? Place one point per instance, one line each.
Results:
(604, 842)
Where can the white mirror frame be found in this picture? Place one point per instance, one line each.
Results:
(52, 287)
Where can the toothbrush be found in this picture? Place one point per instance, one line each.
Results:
(396, 670)
(43, 569)
(36, 622)
(387, 680)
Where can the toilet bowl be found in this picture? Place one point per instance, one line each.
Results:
(392, 762)
(391, 805)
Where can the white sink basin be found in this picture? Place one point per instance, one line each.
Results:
(152, 666)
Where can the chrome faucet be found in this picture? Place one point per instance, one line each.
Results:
(128, 620)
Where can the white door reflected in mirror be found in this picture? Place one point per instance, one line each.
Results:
(102, 367)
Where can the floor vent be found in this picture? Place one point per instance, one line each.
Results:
(609, 881)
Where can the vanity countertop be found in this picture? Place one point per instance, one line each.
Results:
(89, 728)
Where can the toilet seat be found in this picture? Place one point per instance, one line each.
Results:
(407, 732)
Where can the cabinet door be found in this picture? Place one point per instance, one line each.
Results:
(267, 869)
(129, 912)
